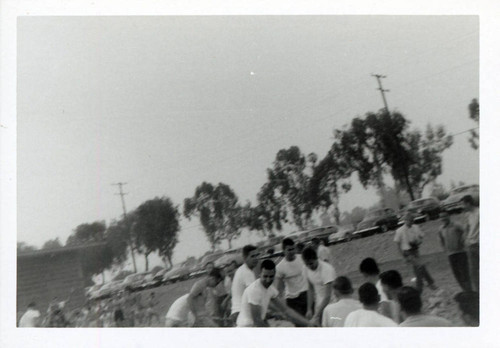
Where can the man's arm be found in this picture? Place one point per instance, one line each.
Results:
(281, 286)
(256, 312)
(295, 317)
(317, 316)
(196, 290)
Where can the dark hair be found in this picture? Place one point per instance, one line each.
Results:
(468, 199)
(300, 247)
(309, 254)
(268, 265)
(369, 266)
(392, 279)
(468, 302)
(368, 294)
(343, 285)
(287, 242)
(410, 300)
(247, 249)
(216, 273)
(32, 305)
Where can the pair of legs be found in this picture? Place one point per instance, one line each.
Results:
(421, 273)
(473, 258)
(460, 267)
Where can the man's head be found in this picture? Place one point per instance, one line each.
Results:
(410, 301)
(310, 258)
(409, 218)
(32, 305)
(468, 303)
(250, 255)
(288, 246)
(267, 272)
(369, 268)
(214, 277)
(230, 269)
(342, 287)
(468, 203)
(445, 218)
(368, 296)
(209, 266)
(391, 282)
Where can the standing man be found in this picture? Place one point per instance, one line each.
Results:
(320, 276)
(256, 299)
(391, 284)
(290, 274)
(243, 277)
(472, 240)
(335, 314)
(31, 318)
(408, 239)
(452, 238)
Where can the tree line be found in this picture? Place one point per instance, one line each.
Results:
(369, 148)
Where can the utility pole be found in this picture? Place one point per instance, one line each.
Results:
(122, 194)
(381, 89)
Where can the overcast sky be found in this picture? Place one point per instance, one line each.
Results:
(164, 103)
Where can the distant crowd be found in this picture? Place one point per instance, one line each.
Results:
(302, 289)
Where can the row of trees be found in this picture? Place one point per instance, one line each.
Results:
(371, 148)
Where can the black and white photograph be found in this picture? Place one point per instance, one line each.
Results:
(248, 171)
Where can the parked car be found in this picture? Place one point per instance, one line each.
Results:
(133, 282)
(92, 291)
(109, 289)
(233, 255)
(177, 273)
(424, 209)
(298, 236)
(379, 220)
(454, 201)
(158, 278)
(321, 233)
(210, 258)
(343, 234)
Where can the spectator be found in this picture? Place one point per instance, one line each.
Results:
(334, 314)
(452, 238)
(229, 271)
(290, 274)
(243, 277)
(368, 315)
(31, 318)
(411, 310)
(256, 299)
(472, 240)
(468, 303)
(408, 238)
(320, 276)
(391, 284)
(370, 271)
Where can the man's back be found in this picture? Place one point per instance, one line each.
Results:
(335, 314)
(368, 318)
(243, 277)
(30, 318)
(423, 320)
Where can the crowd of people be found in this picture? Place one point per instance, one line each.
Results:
(302, 289)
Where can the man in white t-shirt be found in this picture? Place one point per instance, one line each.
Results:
(243, 277)
(320, 276)
(368, 315)
(257, 297)
(290, 275)
(408, 239)
(31, 318)
(334, 314)
(370, 271)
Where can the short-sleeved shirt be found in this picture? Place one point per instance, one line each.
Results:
(200, 293)
(258, 295)
(319, 278)
(406, 235)
(452, 237)
(472, 227)
(243, 277)
(29, 318)
(179, 309)
(334, 314)
(423, 320)
(292, 274)
(367, 318)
